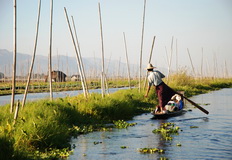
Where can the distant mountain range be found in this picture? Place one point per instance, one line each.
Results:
(63, 63)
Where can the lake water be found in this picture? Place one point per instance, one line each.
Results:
(36, 96)
(212, 140)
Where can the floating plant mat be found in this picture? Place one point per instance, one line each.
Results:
(166, 130)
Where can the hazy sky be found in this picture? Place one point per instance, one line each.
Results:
(194, 24)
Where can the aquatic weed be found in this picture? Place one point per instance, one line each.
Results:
(166, 130)
(123, 147)
(178, 144)
(163, 158)
(151, 150)
(194, 127)
(123, 124)
(54, 153)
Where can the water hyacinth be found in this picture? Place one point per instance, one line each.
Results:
(166, 130)
(194, 127)
(124, 147)
(150, 150)
(123, 124)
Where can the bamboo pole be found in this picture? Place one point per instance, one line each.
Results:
(170, 60)
(106, 79)
(77, 57)
(149, 61)
(108, 65)
(4, 73)
(207, 69)
(191, 62)
(21, 78)
(225, 70)
(67, 69)
(16, 111)
(9, 69)
(102, 47)
(127, 61)
(50, 52)
(95, 66)
(141, 50)
(152, 47)
(166, 51)
(215, 66)
(14, 56)
(33, 57)
(80, 57)
(202, 62)
(119, 63)
(106, 84)
(176, 57)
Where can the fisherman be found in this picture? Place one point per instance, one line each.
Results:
(163, 91)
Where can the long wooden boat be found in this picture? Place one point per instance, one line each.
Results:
(168, 115)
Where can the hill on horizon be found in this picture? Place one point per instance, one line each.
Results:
(63, 63)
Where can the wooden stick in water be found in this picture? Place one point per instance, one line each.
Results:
(127, 61)
(50, 53)
(149, 61)
(80, 57)
(33, 57)
(191, 62)
(102, 47)
(16, 111)
(170, 61)
(14, 56)
(141, 50)
(77, 57)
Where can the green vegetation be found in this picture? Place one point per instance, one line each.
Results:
(44, 128)
(178, 144)
(123, 124)
(166, 130)
(150, 150)
(194, 86)
(194, 127)
(124, 147)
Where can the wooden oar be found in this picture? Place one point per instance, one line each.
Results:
(196, 105)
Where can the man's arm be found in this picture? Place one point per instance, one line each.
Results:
(148, 89)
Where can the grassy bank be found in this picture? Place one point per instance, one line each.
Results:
(43, 128)
(194, 86)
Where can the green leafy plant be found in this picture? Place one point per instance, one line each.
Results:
(166, 130)
(123, 124)
(151, 150)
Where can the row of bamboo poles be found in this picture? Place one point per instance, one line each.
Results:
(104, 85)
(80, 65)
